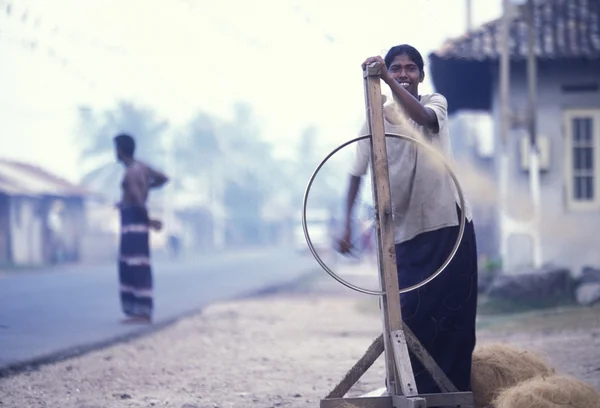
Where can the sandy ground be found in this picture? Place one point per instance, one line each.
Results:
(282, 350)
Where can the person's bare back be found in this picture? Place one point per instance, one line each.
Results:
(138, 180)
(135, 184)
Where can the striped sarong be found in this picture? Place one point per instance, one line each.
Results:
(135, 272)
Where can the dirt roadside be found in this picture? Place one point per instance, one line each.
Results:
(285, 349)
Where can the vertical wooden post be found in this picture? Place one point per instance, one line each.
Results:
(398, 367)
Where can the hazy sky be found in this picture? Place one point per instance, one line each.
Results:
(297, 62)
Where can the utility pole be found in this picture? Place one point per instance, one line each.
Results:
(469, 10)
(534, 163)
(505, 122)
(508, 225)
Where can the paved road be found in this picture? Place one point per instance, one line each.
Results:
(56, 311)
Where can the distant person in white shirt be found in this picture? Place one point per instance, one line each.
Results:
(426, 214)
(56, 229)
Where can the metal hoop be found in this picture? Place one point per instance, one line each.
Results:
(415, 286)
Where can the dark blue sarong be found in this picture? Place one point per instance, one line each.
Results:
(442, 313)
(135, 272)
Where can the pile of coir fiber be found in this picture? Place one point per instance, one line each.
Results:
(549, 392)
(508, 377)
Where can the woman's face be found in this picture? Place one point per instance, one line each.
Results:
(406, 72)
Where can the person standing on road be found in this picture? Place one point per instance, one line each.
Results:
(135, 272)
(426, 215)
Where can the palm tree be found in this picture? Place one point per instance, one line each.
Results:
(95, 136)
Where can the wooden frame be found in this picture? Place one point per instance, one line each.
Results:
(397, 338)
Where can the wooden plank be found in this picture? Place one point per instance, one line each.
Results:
(390, 370)
(452, 399)
(392, 385)
(462, 399)
(411, 402)
(403, 364)
(357, 371)
(365, 402)
(404, 380)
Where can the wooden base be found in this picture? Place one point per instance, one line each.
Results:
(450, 399)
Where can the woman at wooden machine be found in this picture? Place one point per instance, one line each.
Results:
(426, 214)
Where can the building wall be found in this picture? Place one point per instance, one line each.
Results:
(5, 229)
(26, 232)
(568, 236)
(75, 227)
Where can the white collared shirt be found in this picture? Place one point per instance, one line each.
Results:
(424, 197)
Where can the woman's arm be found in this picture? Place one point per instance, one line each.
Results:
(422, 115)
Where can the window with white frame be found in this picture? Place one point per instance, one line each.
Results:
(582, 162)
